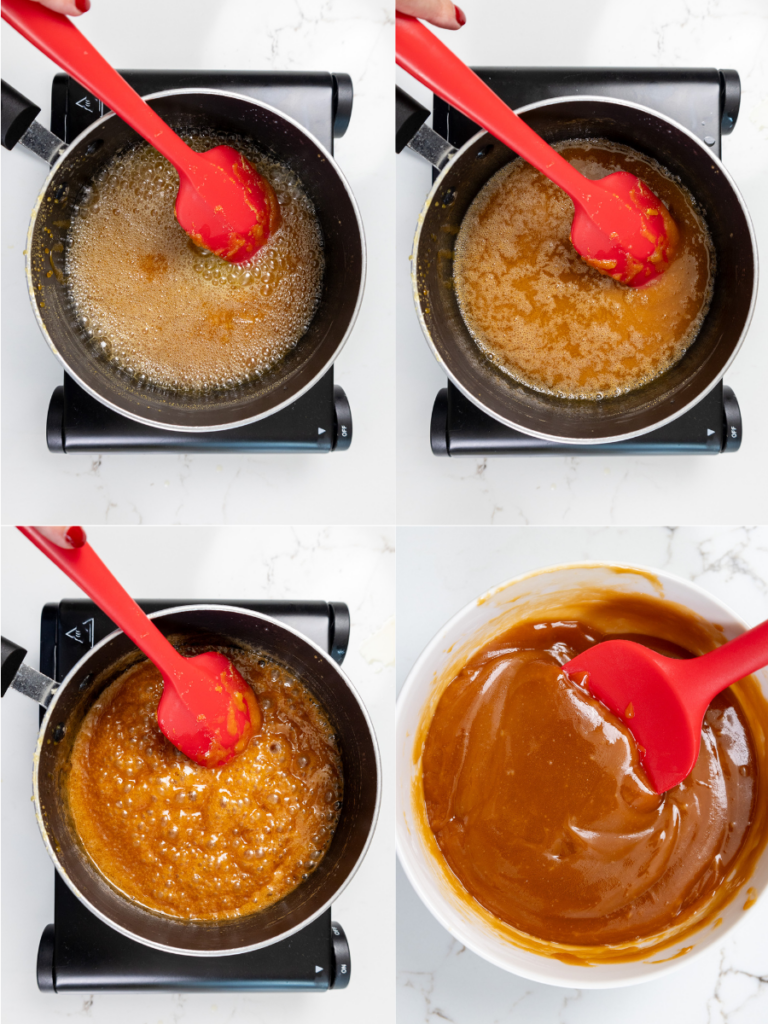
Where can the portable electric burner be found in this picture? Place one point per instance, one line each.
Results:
(706, 102)
(78, 952)
(320, 420)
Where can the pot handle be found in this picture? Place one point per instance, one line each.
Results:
(12, 657)
(19, 126)
(411, 131)
(409, 117)
(18, 113)
(18, 676)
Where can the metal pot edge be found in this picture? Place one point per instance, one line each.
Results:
(554, 437)
(84, 900)
(145, 420)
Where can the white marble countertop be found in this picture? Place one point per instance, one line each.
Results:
(355, 36)
(439, 571)
(355, 565)
(680, 489)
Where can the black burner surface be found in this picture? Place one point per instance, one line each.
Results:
(703, 100)
(319, 421)
(81, 953)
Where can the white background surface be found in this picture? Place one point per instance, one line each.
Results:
(678, 489)
(439, 571)
(355, 565)
(356, 486)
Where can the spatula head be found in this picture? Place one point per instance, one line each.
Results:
(226, 206)
(227, 716)
(637, 685)
(647, 244)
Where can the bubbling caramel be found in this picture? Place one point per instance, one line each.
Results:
(549, 320)
(538, 801)
(199, 843)
(171, 314)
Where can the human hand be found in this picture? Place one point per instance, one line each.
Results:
(73, 8)
(69, 537)
(441, 13)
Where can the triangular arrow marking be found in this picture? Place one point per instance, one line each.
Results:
(321, 430)
(318, 970)
(709, 432)
(85, 103)
(74, 634)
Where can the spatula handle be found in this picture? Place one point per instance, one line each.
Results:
(55, 36)
(86, 569)
(424, 56)
(727, 664)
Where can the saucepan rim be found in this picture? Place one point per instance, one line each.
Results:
(48, 839)
(293, 396)
(476, 400)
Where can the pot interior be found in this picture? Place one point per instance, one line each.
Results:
(342, 250)
(190, 630)
(662, 399)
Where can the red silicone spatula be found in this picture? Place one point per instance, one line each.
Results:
(223, 203)
(662, 700)
(207, 709)
(619, 226)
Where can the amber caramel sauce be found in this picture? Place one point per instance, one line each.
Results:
(170, 314)
(578, 859)
(549, 320)
(197, 843)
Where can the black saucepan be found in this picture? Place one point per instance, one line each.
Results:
(464, 172)
(73, 168)
(191, 629)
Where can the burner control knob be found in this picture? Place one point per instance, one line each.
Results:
(45, 954)
(438, 427)
(343, 415)
(732, 421)
(343, 95)
(730, 99)
(342, 965)
(338, 632)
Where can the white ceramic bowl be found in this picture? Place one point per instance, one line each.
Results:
(430, 876)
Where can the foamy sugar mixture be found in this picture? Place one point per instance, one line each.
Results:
(169, 313)
(549, 320)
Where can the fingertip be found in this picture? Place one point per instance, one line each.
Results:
(75, 536)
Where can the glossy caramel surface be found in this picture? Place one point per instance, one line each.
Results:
(538, 801)
(170, 314)
(200, 843)
(546, 318)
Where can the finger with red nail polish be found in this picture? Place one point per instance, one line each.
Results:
(72, 8)
(69, 537)
(441, 13)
